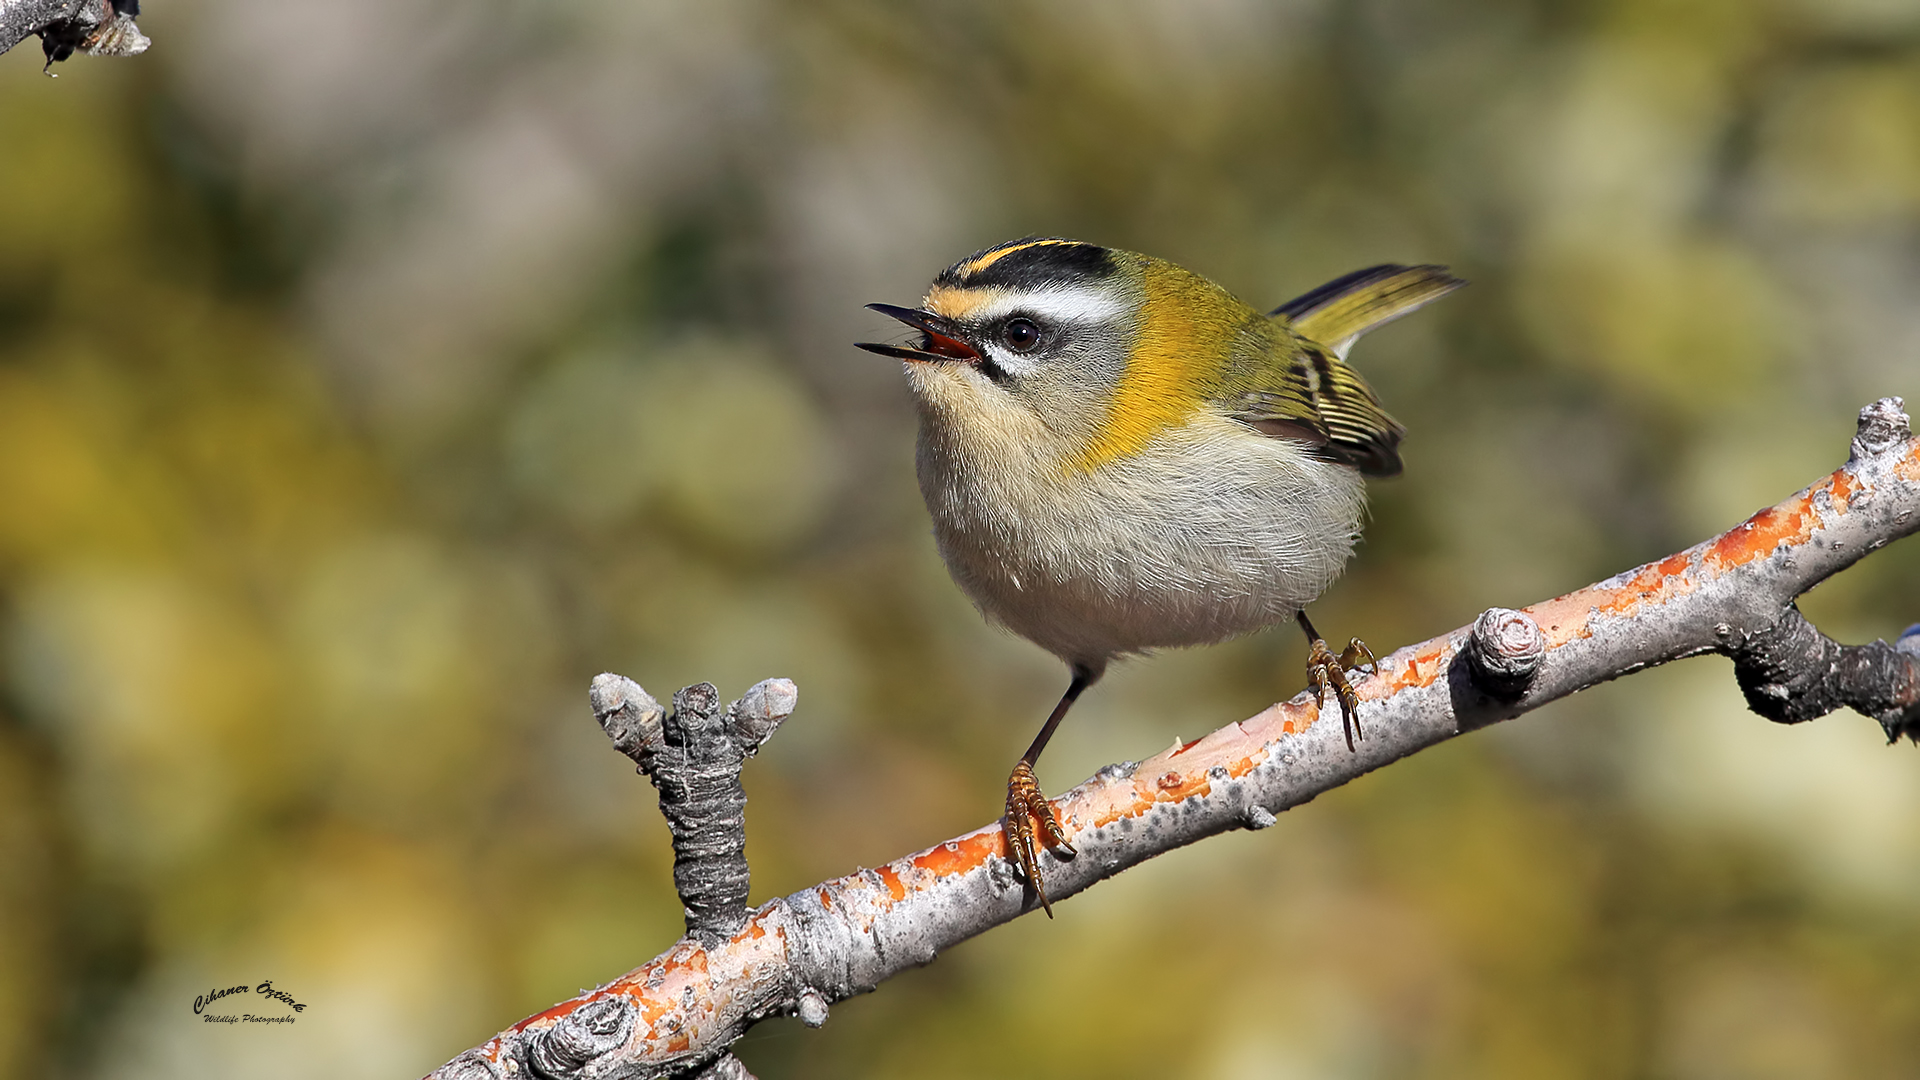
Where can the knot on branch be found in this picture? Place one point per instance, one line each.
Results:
(811, 1008)
(1504, 651)
(561, 1051)
(693, 755)
(1790, 672)
(1883, 426)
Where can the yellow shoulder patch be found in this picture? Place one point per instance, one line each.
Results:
(1185, 329)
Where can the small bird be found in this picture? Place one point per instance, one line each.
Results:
(1120, 456)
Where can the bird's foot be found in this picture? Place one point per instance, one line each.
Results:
(1327, 672)
(1031, 822)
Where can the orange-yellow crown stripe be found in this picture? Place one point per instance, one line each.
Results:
(991, 257)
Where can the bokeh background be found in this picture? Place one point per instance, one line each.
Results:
(375, 372)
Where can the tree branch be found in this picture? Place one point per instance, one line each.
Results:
(94, 27)
(1733, 594)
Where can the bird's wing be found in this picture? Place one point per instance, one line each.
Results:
(1296, 383)
(1306, 393)
(1337, 313)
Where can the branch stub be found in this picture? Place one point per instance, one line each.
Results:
(628, 714)
(1505, 650)
(563, 1050)
(760, 710)
(811, 1008)
(1883, 426)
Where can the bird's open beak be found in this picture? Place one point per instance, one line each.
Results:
(943, 337)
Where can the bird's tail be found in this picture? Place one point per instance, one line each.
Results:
(1337, 313)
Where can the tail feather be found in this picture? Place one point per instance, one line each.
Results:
(1337, 313)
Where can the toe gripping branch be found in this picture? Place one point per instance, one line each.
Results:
(1328, 672)
(1030, 822)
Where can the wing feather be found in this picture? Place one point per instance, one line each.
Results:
(1292, 380)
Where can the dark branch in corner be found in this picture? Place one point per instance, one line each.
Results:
(93, 27)
(678, 1014)
(1791, 672)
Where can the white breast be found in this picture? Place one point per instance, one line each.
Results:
(1209, 532)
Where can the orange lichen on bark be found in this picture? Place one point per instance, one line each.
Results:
(1406, 669)
(1563, 618)
(675, 994)
(857, 894)
(1909, 466)
(1844, 486)
(1284, 718)
(1134, 798)
(1568, 618)
(1760, 535)
(958, 856)
(1235, 749)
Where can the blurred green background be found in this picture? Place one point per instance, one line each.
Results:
(375, 372)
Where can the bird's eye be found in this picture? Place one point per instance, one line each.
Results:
(1020, 335)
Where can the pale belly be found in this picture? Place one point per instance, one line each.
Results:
(1187, 543)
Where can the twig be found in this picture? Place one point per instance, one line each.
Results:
(93, 27)
(694, 756)
(796, 955)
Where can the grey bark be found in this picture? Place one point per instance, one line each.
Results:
(1733, 594)
(1792, 673)
(693, 755)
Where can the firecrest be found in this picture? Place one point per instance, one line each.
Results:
(1119, 455)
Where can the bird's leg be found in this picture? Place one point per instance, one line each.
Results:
(1328, 672)
(1030, 816)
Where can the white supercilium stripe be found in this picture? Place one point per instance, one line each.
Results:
(1059, 304)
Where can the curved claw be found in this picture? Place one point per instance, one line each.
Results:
(1330, 673)
(1030, 818)
(1356, 655)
